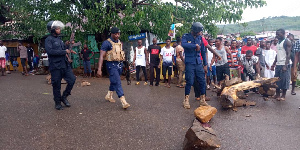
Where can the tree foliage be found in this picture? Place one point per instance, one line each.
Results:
(250, 33)
(131, 16)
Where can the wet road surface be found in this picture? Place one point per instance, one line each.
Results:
(155, 120)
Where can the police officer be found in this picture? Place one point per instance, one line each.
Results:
(58, 64)
(111, 50)
(194, 67)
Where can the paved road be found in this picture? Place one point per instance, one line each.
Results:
(156, 119)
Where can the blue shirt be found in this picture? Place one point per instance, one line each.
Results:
(15, 63)
(191, 55)
(7, 57)
(56, 51)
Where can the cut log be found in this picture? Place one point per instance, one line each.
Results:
(267, 90)
(226, 82)
(229, 94)
(200, 138)
(205, 113)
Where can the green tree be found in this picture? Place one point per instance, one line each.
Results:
(250, 33)
(131, 16)
(244, 25)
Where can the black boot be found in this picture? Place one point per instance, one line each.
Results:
(65, 101)
(58, 106)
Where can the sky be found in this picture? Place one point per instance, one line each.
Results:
(273, 8)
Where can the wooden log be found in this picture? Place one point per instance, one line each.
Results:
(229, 94)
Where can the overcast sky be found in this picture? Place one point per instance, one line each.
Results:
(273, 8)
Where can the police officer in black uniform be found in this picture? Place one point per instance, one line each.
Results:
(59, 65)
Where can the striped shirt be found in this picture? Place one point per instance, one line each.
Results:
(235, 56)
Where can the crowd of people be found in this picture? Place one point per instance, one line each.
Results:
(32, 63)
(247, 59)
(203, 61)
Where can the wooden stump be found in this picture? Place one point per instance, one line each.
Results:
(200, 138)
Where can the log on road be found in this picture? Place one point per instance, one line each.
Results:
(229, 94)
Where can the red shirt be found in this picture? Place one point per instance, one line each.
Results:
(205, 43)
(246, 48)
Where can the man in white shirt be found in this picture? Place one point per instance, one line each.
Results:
(211, 70)
(139, 60)
(3, 49)
(167, 55)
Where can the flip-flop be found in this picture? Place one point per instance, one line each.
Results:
(168, 86)
(181, 86)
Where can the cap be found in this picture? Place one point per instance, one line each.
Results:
(115, 30)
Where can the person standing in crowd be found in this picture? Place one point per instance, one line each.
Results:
(7, 57)
(227, 44)
(44, 57)
(238, 47)
(294, 58)
(260, 53)
(175, 69)
(248, 60)
(296, 64)
(30, 55)
(274, 44)
(35, 62)
(233, 63)
(282, 63)
(193, 46)
(139, 60)
(180, 62)
(23, 56)
(270, 56)
(85, 56)
(154, 51)
(249, 46)
(114, 65)
(3, 49)
(256, 43)
(211, 70)
(167, 55)
(15, 64)
(59, 66)
(222, 66)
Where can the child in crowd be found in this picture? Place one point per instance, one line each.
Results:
(36, 60)
(15, 64)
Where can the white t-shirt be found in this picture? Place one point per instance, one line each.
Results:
(2, 51)
(210, 56)
(45, 54)
(167, 55)
(140, 56)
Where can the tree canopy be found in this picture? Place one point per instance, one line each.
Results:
(30, 17)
